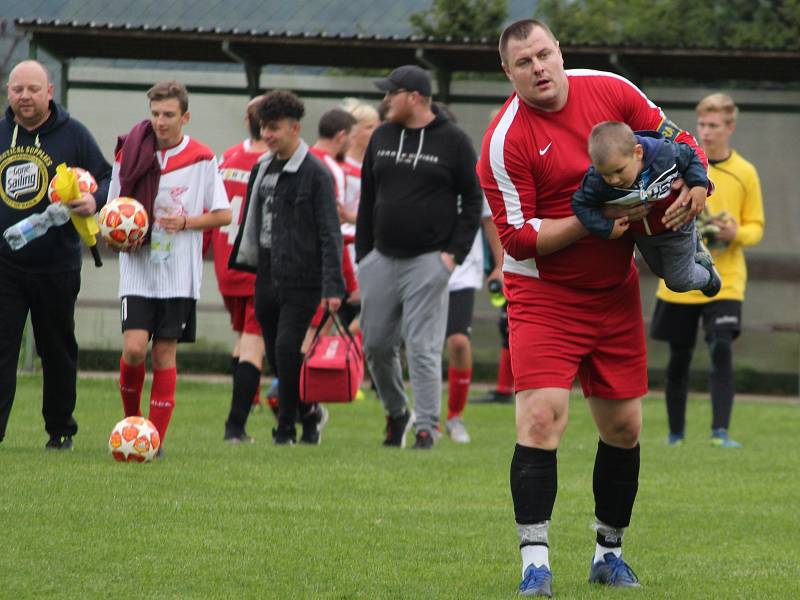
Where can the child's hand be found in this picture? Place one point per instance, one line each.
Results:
(697, 197)
(621, 225)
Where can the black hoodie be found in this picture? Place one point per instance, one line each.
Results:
(28, 161)
(419, 191)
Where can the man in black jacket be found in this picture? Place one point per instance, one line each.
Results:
(419, 212)
(43, 277)
(290, 238)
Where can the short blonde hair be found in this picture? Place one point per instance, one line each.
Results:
(721, 103)
(360, 110)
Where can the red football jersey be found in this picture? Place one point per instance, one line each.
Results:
(235, 167)
(532, 161)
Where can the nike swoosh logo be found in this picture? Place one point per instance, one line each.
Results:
(543, 151)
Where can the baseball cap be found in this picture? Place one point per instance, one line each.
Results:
(407, 77)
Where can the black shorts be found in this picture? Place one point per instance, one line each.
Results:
(163, 318)
(459, 312)
(677, 323)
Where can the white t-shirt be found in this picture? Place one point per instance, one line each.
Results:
(469, 274)
(190, 182)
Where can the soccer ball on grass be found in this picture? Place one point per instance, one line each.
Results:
(123, 222)
(134, 439)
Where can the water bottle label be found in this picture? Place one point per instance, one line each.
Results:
(27, 230)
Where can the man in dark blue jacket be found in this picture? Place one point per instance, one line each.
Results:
(42, 277)
(628, 169)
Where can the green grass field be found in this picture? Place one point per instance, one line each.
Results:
(350, 519)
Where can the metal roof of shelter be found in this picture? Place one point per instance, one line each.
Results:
(256, 48)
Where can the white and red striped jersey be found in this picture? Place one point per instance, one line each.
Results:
(336, 171)
(190, 179)
(237, 162)
(532, 161)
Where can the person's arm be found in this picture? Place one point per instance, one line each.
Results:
(469, 217)
(326, 226)
(508, 182)
(91, 158)
(495, 247)
(587, 204)
(751, 228)
(642, 114)
(365, 234)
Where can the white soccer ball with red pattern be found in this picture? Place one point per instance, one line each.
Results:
(86, 183)
(134, 439)
(123, 222)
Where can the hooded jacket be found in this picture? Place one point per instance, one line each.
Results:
(663, 161)
(419, 191)
(28, 161)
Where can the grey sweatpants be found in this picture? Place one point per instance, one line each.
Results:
(671, 256)
(405, 299)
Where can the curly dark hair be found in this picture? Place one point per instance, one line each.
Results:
(280, 104)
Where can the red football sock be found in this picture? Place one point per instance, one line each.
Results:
(162, 399)
(131, 381)
(505, 378)
(458, 381)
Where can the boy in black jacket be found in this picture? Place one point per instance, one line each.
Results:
(419, 212)
(629, 169)
(290, 238)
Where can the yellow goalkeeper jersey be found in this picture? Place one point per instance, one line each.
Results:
(738, 192)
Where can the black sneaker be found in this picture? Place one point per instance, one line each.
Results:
(493, 397)
(396, 430)
(424, 440)
(281, 437)
(234, 435)
(59, 442)
(313, 425)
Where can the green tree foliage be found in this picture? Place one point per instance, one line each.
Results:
(705, 23)
(461, 18)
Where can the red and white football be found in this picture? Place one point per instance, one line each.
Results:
(86, 183)
(123, 222)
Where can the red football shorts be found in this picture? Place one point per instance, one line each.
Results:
(243, 314)
(557, 332)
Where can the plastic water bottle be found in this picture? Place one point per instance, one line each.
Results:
(36, 225)
(160, 239)
(160, 244)
(496, 295)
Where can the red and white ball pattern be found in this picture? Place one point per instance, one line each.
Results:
(123, 222)
(86, 183)
(134, 439)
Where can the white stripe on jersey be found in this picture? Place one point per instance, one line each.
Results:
(497, 162)
(595, 73)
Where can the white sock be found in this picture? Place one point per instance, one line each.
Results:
(536, 555)
(600, 551)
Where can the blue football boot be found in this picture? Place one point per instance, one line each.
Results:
(537, 581)
(613, 571)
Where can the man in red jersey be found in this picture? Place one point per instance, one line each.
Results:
(574, 306)
(238, 287)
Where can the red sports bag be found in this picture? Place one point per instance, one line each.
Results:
(333, 366)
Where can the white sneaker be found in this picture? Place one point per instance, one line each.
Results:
(457, 431)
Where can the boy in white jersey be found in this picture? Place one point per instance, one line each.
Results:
(176, 179)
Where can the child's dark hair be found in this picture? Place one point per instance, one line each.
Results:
(280, 104)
